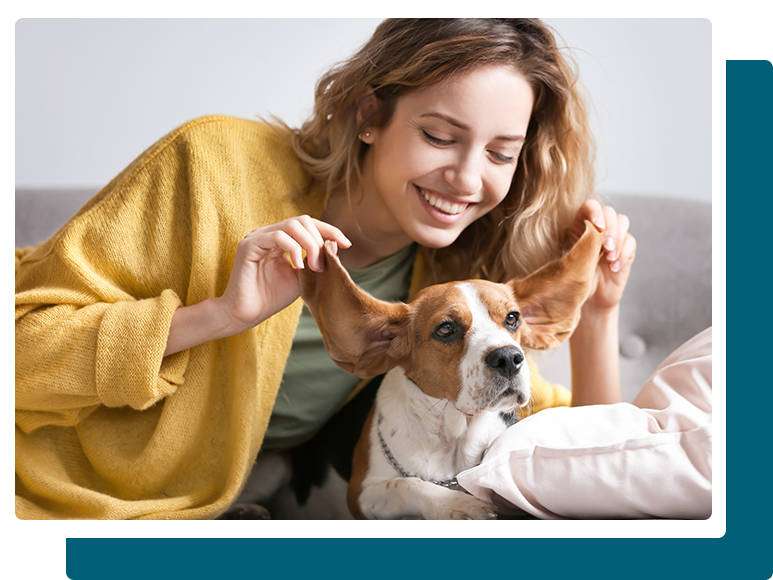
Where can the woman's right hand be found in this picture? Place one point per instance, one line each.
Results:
(262, 282)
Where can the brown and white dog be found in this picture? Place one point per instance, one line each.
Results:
(456, 373)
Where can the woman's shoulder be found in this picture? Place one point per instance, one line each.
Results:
(219, 141)
(224, 128)
(215, 122)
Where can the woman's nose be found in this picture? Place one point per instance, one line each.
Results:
(465, 175)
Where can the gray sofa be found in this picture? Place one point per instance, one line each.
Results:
(668, 299)
(668, 296)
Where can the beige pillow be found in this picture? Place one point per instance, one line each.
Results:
(649, 459)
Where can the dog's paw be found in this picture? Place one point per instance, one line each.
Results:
(468, 507)
(246, 511)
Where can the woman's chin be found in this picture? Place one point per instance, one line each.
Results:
(435, 239)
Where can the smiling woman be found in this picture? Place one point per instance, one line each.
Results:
(441, 162)
(176, 348)
(538, 101)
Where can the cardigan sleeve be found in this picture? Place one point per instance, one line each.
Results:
(71, 359)
(94, 303)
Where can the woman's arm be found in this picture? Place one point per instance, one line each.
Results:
(594, 345)
(595, 359)
(197, 324)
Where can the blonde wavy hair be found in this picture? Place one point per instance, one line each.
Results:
(555, 171)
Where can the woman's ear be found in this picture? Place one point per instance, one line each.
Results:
(367, 106)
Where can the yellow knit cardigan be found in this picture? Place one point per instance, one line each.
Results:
(106, 427)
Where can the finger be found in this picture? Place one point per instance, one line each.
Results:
(311, 225)
(305, 233)
(318, 231)
(592, 211)
(323, 231)
(330, 232)
(627, 254)
(610, 234)
(314, 254)
(285, 242)
(622, 231)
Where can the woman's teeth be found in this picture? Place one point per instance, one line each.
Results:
(442, 204)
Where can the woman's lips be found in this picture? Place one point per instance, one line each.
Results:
(441, 208)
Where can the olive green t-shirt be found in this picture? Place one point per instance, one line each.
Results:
(313, 387)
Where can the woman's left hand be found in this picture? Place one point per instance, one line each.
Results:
(619, 250)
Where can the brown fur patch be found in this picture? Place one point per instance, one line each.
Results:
(498, 299)
(434, 365)
(552, 296)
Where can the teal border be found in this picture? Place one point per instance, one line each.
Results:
(744, 551)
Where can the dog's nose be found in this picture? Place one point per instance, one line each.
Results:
(505, 360)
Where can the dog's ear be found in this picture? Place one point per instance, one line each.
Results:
(550, 298)
(363, 335)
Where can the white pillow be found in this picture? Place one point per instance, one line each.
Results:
(649, 459)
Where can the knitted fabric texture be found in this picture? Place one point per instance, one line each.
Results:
(106, 427)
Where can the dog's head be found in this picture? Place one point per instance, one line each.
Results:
(460, 341)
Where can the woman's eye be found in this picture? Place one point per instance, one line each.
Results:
(435, 141)
(503, 158)
(513, 319)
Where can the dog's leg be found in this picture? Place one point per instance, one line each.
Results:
(270, 473)
(411, 497)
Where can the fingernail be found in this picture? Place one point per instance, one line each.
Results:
(599, 223)
(615, 266)
(609, 244)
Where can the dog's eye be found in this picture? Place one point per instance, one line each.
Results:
(447, 331)
(513, 320)
(444, 330)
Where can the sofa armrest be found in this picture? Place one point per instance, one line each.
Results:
(41, 212)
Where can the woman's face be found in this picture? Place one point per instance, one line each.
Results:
(447, 155)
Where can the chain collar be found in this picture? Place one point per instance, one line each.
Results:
(393, 462)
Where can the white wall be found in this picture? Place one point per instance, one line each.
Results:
(650, 85)
(93, 94)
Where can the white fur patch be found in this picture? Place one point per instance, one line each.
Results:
(484, 335)
(429, 439)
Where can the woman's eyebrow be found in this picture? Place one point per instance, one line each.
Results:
(464, 127)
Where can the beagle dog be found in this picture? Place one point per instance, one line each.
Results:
(455, 374)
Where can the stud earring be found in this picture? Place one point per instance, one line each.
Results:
(360, 136)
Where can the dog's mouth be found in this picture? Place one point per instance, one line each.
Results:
(511, 394)
(504, 400)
